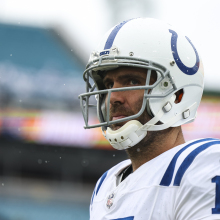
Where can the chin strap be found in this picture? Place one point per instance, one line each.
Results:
(152, 127)
(133, 131)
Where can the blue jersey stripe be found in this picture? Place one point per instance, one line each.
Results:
(126, 218)
(113, 34)
(93, 194)
(189, 159)
(101, 181)
(168, 175)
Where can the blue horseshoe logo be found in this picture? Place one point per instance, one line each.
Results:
(182, 67)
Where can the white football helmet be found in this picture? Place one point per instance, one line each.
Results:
(153, 45)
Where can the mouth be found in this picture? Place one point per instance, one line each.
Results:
(118, 117)
(119, 124)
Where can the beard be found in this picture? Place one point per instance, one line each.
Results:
(150, 142)
(115, 108)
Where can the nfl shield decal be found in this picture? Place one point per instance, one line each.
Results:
(110, 200)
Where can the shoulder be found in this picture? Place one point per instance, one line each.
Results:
(192, 156)
(194, 172)
(201, 164)
(198, 178)
(109, 176)
(201, 160)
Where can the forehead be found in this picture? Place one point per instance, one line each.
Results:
(123, 71)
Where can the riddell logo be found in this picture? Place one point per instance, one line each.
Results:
(105, 52)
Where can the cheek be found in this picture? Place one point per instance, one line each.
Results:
(135, 99)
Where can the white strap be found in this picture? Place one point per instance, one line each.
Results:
(155, 119)
(172, 121)
(150, 123)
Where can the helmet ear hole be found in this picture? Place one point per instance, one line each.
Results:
(103, 108)
(154, 77)
(179, 96)
(148, 109)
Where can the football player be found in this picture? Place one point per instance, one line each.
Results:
(147, 78)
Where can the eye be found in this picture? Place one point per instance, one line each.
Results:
(134, 82)
(109, 85)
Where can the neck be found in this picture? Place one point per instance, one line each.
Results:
(154, 144)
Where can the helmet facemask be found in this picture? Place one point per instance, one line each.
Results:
(95, 73)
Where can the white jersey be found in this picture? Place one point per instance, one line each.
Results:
(183, 183)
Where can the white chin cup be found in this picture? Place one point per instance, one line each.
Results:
(126, 136)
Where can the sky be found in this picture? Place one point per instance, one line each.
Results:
(84, 22)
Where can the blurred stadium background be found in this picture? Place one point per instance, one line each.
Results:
(48, 163)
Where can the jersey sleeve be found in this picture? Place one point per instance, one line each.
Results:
(96, 190)
(198, 182)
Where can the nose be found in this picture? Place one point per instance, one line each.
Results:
(118, 97)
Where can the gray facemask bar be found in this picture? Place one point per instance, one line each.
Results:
(101, 108)
(117, 62)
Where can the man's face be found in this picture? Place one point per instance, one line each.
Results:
(126, 103)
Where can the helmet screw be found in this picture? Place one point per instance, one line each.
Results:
(131, 54)
(165, 84)
(172, 63)
(114, 49)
